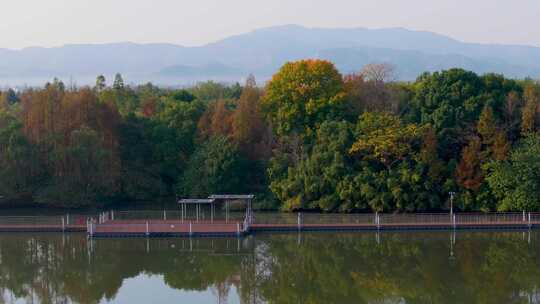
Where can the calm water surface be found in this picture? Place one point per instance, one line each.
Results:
(431, 267)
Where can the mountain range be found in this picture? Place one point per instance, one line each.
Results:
(262, 52)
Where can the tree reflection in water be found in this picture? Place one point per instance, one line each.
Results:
(434, 267)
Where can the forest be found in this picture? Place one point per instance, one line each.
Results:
(308, 139)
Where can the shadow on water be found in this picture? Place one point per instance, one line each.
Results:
(430, 267)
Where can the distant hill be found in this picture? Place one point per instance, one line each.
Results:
(262, 52)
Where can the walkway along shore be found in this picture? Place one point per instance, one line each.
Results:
(170, 224)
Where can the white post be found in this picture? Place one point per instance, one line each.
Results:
(147, 230)
(190, 229)
(237, 228)
(299, 220)
(164, 215)
(530, 224)
(112, 215)
(454, 221)
(67, 219)
(524, 215)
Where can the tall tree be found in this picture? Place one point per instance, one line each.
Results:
(302, 95)
(516, 181)
(118, 83)
(249, 129)
(469, 172)
(317, 181)
(101, 83)
(487, 127)
(215, 167)
(19, 165)
(531, 109)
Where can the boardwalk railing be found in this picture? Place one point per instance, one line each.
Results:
(205, 215)
(389, 219)
(43, 223)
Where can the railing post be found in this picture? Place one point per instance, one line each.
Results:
(237, 228)
(147, 230)
(164, 215)
(454, 221)
(299, 221)
(182, 212)
(63, 225)
(190, 229)
(530, 224)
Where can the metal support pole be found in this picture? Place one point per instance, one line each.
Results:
(530, 224)
(454, 221)
(182, 206)
(299, 221)
(67, 219)
(164, 215)
(190, 229)
(238, 229)
(112, 215)
(452, 204)
(147, 230)
(524, 215)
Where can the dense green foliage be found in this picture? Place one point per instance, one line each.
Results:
(516, 181)
(311, 139)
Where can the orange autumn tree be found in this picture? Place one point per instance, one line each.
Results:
(77, 140)
(469, 171)
(249, 129)
(216, 120)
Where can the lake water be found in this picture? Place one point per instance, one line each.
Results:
(430, 267)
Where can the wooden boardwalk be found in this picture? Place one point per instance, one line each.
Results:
(165, 228)
(104, 225)
(175, 228)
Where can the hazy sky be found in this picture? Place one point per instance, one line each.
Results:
(194, 22)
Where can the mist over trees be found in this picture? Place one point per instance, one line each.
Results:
(309, 139)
